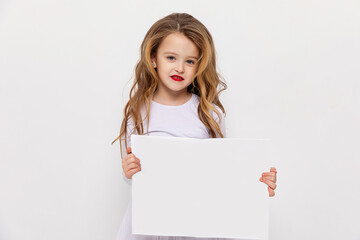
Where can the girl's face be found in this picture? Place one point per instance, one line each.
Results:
(176, 65)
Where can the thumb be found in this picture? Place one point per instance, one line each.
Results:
(272, 169)
(128, 150)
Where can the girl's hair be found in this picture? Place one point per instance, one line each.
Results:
(205, 84)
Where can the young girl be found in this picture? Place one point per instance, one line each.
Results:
(175, 93)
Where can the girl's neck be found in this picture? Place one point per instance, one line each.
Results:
(171, 100)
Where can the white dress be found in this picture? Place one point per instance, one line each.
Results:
(175, 121)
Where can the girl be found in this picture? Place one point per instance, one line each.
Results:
(175, 93)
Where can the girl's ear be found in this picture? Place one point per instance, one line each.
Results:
(153, 62)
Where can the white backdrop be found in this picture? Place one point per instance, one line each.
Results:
(292, 68)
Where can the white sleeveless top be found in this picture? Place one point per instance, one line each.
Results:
(176, 121)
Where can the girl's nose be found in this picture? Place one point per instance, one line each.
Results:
(180, 68)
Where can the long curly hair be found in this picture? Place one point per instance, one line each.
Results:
(206, 84)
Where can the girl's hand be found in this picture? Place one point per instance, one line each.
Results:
(130, 164)
(269, 178)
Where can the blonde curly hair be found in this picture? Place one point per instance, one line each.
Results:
(205, 84)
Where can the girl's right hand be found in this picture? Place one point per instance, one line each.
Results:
(130, 164)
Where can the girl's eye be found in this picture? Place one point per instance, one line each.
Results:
(171, 58)
(191, 62)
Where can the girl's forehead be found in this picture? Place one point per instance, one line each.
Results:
(179, 44)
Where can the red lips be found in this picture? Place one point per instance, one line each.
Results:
(177, 78)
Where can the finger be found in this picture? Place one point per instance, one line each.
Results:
(133, 165)
(130, 155)
(269, 183)
(129, 158)
(133, 160)
(273, 169)
(271, 178)
(271, 192)
(128, 150)
(131, 172)
(270, 174)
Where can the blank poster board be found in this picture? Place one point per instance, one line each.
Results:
(200, 187)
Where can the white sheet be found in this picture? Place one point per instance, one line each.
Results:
(200, 187)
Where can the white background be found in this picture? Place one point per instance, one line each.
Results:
(292, 68)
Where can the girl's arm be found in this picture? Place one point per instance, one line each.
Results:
(130, 126)
(130, 164)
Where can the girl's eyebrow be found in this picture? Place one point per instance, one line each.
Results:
(177, 54)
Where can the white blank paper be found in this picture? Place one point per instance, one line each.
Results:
(200, 187)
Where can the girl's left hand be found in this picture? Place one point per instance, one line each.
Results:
(269, 178)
